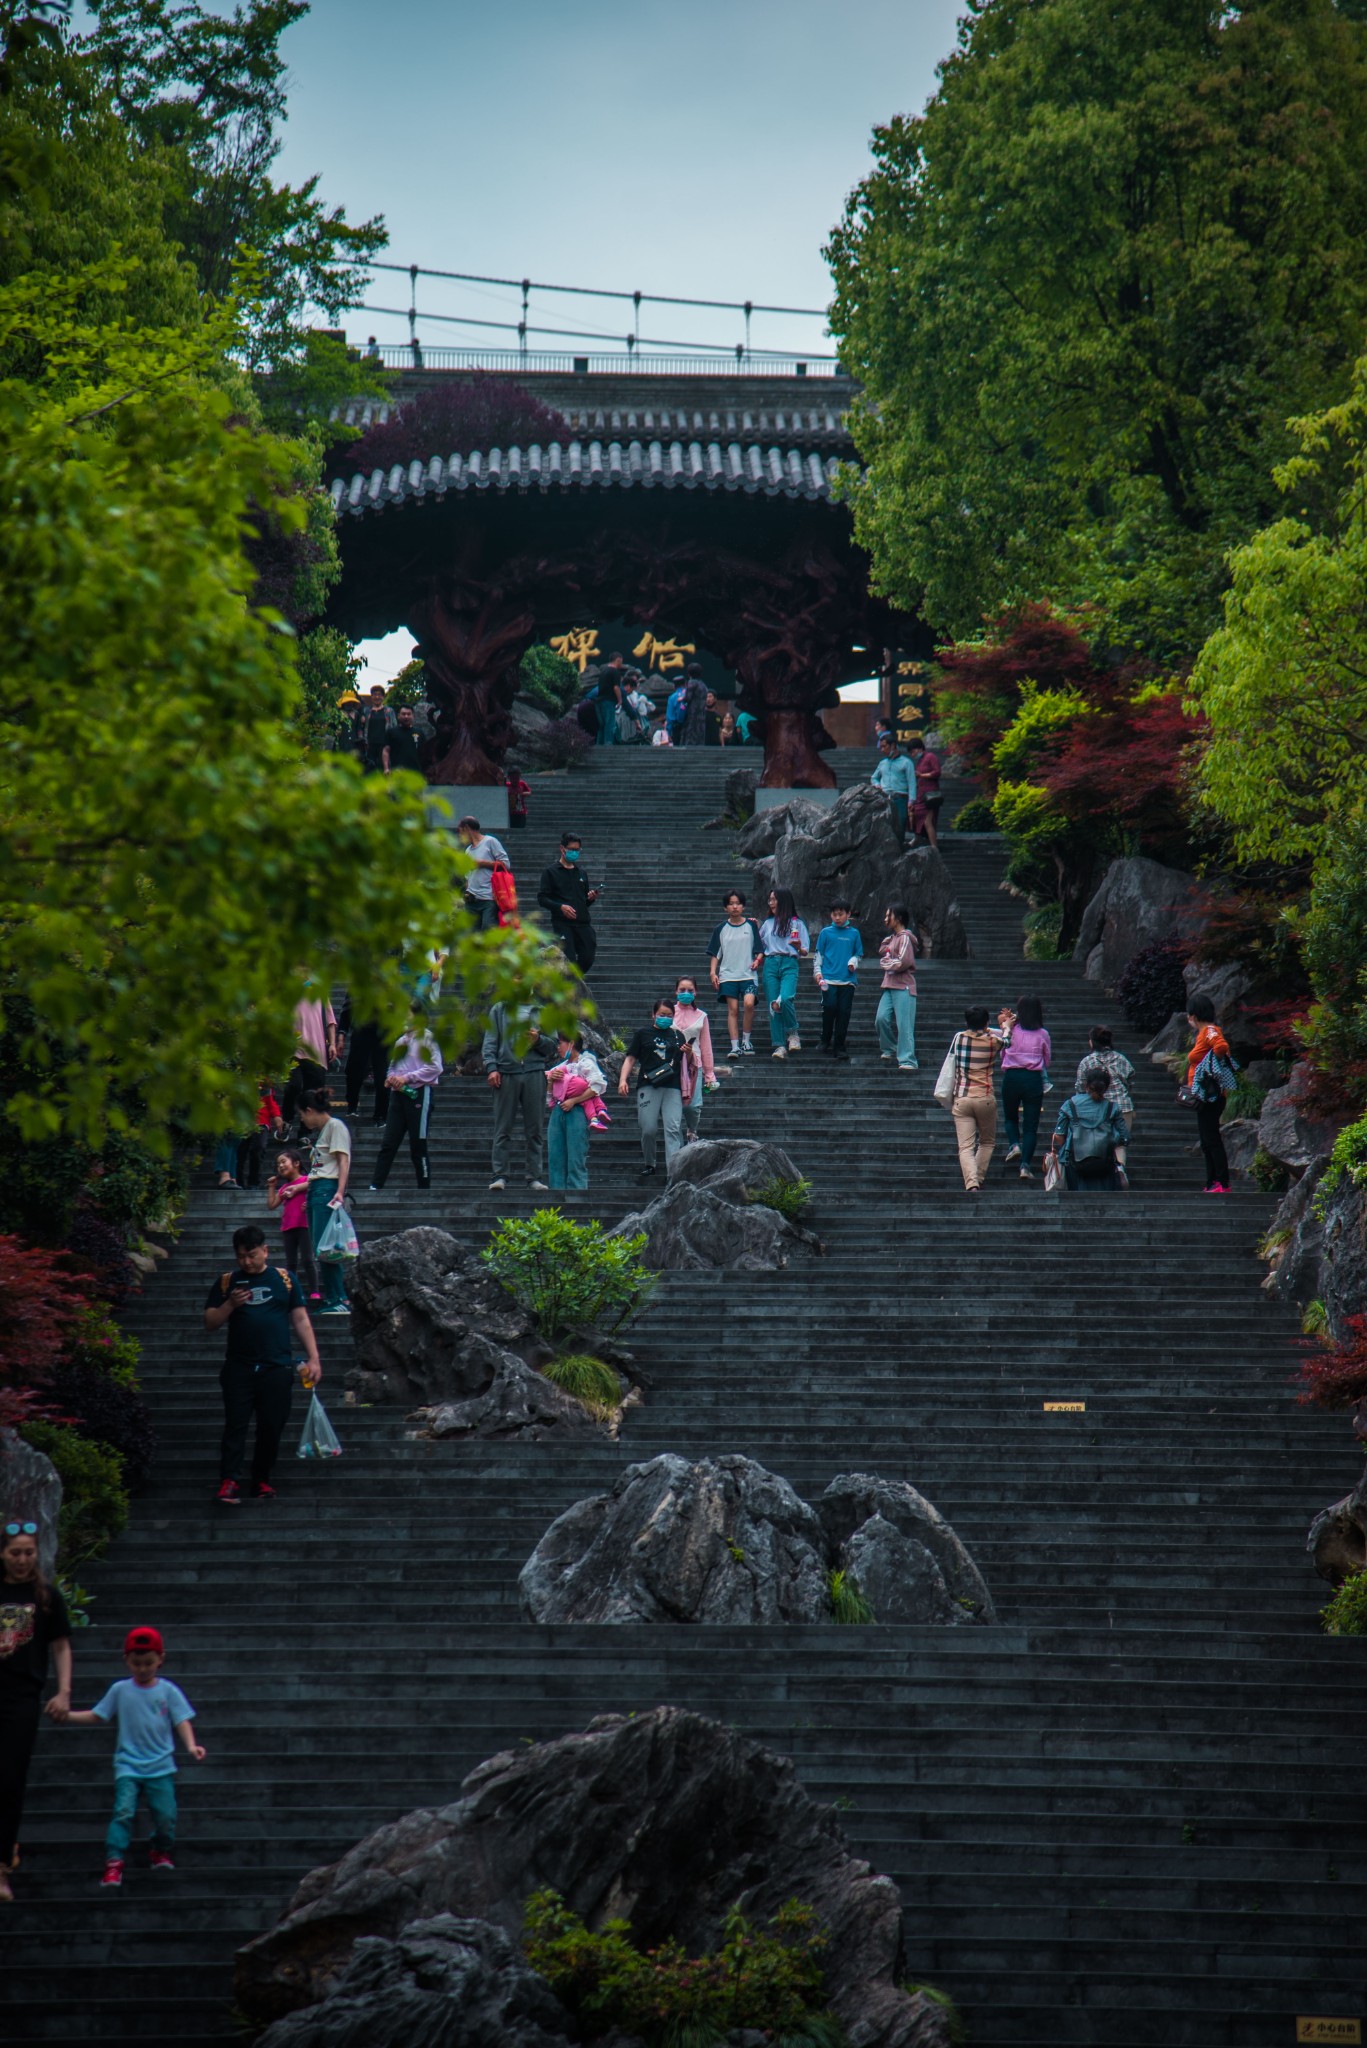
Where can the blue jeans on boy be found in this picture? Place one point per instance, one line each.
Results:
(567, 1149)
(161, 1803)
(780, 986)
(896, 1021)
(607, 721)
(321, 1193)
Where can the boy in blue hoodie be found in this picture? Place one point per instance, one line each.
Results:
(837, 953)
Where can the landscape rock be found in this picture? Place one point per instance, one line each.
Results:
(1287, 1131)
(518, 1402)
(1240, 1135)
(430, 1323)
(766, 828)
(1228, 983)
(665, 1819)
(1338, 1536)
(850, 850)
(30, 1491)
(738, 794)
(897, 1576)
(1174, 1037)
(688, 1228)
(438, 1982)
(527, 716)
(1139, 902)
(734, 1168)
(719, 1541)
(854, 1499)
(1321, 1257)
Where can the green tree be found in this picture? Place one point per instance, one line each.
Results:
(171, 871)
(1085, 290)
(1283, 683)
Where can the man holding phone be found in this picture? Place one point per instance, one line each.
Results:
(268, 1326)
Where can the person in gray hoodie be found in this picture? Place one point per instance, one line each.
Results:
(516, 1054)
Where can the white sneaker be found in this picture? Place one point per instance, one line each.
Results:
(886, 1056)
(794, 1043)
(778, 1053)
(735, 1050)
(540, 1186)
(1014, 1153)
(498, 1185)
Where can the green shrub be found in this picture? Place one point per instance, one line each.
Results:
(848, 1604)
(549, 680)
(1268, 1173)
(789, 1197)
(570, 1276)
(1346, 1614)
(975, 816)
(94, 1506)
(1314, 1319)
(772, 1979)
(588, 1380)
(1245, 1100)
(1042, 928)
(1347, 1161)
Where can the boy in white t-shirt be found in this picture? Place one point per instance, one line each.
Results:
(328, 1176)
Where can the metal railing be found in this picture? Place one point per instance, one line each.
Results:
(416, 356)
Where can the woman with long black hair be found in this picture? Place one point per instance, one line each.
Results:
(785, 940)
(33, 1620)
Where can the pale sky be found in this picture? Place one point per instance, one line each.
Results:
(701, 150)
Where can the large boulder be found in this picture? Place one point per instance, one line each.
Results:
(30, 1491)
(438, 1981)
(1139, 903)
(854, 1500)
(688, 1228)
(849, 850)
(727, 1541)
(429, 1322)
(720, 1541)
(738, 799)
(766, 828)
(734, 1168)
(665, 1819)
(1290, 1133)
(518, 1402)
(1337, 1539)
(1317, 1247)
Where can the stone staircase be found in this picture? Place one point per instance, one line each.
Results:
(1131, 1814)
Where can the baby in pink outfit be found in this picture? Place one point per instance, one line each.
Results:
(579, 1079)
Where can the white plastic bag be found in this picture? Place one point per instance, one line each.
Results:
(338, 1242)
(1053, 1173)
(319, 1438)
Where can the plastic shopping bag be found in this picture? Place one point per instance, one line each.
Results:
(338, 1242)
(504, 891)
(319, 1439)
(943, 1090)
(1053, 1173)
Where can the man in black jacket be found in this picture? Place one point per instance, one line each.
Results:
(565, 896)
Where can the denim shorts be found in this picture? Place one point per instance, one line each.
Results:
(737, 989)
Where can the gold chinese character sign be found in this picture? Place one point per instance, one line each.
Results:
(579, 645)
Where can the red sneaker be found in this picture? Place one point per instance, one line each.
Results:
(230, 1493)
(262, 1490)
(113, 1874)
(161, 1859)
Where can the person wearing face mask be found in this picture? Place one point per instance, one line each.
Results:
(701, 1077)
(566, 898)
(659, 1053)
(33, 1620)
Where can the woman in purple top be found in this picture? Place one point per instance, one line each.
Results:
(1024, 1073)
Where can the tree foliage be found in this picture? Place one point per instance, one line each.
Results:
(171, 871)
(1085, 290)
(1283, 683)
(454, 417)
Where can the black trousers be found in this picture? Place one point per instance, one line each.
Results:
(836, 1003)
(246, 1393)
(579, 943)
(1208, 1116)
(249, 1152)
(18, 1730)
(406, 1114)
(366, 1060)
(304, 1074)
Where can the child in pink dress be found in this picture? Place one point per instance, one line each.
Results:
(288, 1191)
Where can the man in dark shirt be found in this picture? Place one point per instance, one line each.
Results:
(403, 747)
(376, 724)
(658, 1051)
(566, 896)
(268, 1326)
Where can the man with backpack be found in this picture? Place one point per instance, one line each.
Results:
(268, 1326)
(1087, 1135)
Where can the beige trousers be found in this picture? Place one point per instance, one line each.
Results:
(975, 1124)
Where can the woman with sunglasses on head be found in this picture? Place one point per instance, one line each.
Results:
(33, 1618)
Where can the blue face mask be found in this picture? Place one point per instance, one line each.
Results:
(664, 1020)
(571, 853)
(686, 995)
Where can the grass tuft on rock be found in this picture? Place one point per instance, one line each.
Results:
(848, 1604)
(588, 1381)
(789, 1197)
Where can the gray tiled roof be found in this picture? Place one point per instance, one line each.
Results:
(663, 465)
(664, 422)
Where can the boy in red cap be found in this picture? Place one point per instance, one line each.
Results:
(149, 1713)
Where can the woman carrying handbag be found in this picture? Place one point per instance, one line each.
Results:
(1211, 1073)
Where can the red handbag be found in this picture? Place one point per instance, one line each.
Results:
(505, 894)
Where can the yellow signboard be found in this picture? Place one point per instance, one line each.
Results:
(1065, 1407)
(1312, 2029)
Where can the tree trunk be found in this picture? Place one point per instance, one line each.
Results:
(791, 760)
(471, 655)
